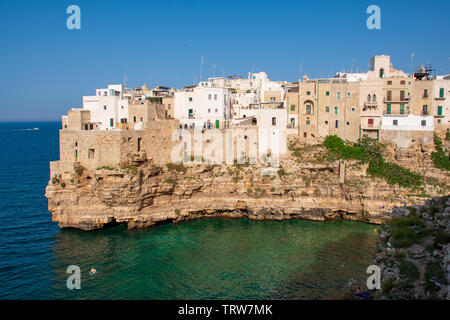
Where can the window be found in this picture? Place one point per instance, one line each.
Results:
(308, 122)
(374, 98)
(402, 109)
(209, 96)
(139, 142)
(439, 110)
(349, 94)
(326, 122)
(439, 120)
(402, 82)
(353, 109)
(441, 92)
(402, 95)
(388, 108)
(190, 113)
(111, 122)
(368, 98)
(348, 123)
(308, 93)
(91, 153)
(327, 109)
(274, 121)
(209, 110)
(328, 93)
(308, 109)
(215, 111)
(425, 93)
(389, 96)
(335, 110)
(215, 97)
(134, 119)
(76, 144)
(389, 83)
(104, 107)
(141, 119)
(305, 134)
(337, 124)
(395, 122)
(293, 107)
(338, 95)
(370, 122)
(423, 123)
(425, 110)
(190, 98)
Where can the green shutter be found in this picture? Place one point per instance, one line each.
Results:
(292, 107)
(439, 110)
(402, 109)
(388, 111)
(217, 124)
(327, 109)
(337, 124)
(441, 93)
(335, 110)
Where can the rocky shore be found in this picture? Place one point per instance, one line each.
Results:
(413, 252)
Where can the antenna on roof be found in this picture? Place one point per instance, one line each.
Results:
(201, 66)
(412, 62)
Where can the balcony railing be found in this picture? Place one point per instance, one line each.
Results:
(370, 104)
(425, 113)
(395, 101)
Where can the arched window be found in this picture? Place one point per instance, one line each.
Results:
(374, 98)
(381, 73)
(368, 98)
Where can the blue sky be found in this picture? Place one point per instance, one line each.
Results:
(45, 69)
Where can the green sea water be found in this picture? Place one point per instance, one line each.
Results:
(216, 259)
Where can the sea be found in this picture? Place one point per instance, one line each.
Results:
(200, 259)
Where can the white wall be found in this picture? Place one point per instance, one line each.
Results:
(207, 104)
(408, 123)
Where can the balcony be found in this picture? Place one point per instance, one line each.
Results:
(369, 104)
(396, 101)
(370, 126)
(425, 113)
(396, 114)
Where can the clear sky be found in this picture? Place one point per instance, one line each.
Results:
(45, 68)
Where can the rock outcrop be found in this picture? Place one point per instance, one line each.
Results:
(413, 252)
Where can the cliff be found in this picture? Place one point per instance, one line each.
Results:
(308, 185)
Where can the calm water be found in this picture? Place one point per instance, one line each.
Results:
(203, 259)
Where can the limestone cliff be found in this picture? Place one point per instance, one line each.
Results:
(307, 186)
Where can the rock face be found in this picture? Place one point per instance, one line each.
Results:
(306, 186)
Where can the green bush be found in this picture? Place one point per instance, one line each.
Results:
(442, 237)
(433, 272)
(387, 285)
(370, 151)
(440, 159)
(409, 270)
(282, 173)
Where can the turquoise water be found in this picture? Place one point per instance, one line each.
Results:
(202, 259)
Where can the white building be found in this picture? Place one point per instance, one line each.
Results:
(202, 107)
(107, 107)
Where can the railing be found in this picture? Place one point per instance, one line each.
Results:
(370, 104)
(425, 113)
